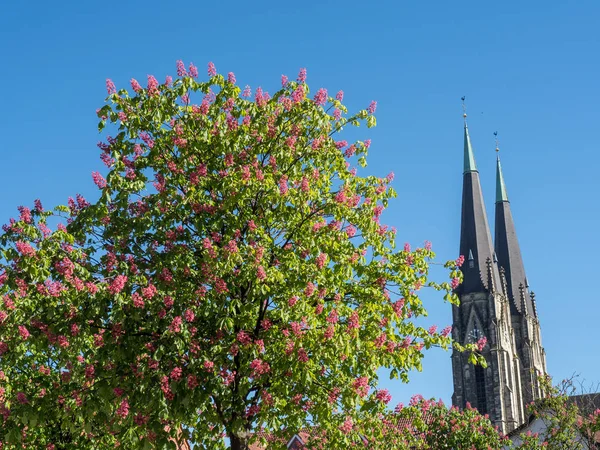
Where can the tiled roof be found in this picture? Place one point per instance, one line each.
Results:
(297, 440)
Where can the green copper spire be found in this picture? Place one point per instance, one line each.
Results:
(469, 158)
(500, 186)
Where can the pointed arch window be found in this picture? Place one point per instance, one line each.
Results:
(480, 390)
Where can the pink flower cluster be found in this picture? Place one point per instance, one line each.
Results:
(259, 367)
(481, 343)
(347, 426)
(321, 97)
(99, 180)
(117, 284)
(25, 249)
(361, 386)
(383, 396)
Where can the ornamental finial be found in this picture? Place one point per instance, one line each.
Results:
(464, 107)
(497, 143)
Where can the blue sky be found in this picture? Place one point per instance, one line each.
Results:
(529, 70)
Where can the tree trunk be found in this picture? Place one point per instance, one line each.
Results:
(238, 443)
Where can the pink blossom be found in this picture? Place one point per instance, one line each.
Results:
(243, 337)
(99, 180)
(333, 316)
(91, 287)
(24, 248)
(135, 85)
(189, 315)
(283, 185)
(117, 284)
(261, 274)
(232, 247)
(321, 260)
(446, 331)
(481, 343)
(149, 291)
(221, 286)
(231, 77)
(383, 396)
(90, 372)
(415, 400)
(176, 374)
(284, 80)
(25, 214)
(304, 185)
(175, 326)
(166, 275)
(339, 96)
(152, 85)
(24, 332)
(123, 409)
(333, 395)
(460, 261)
(212, 71)
(22, 398)
(372, 107)
(302, 75)
(169, 80)
(193, 71)
(353, 322)
(302, 355)
(192, 381)
(455, 283)
(110, 87)
(347, 426)
(297, 329)
(292, 301)
(310, 289)
(247, 92)
(209, 366)
(298, 94)
(62, 341)
(320, 97)
(432, 329)
(181, 72)
(259, 367)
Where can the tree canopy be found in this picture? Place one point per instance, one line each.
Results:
(232, 276)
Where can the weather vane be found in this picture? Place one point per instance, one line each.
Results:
(496, 136)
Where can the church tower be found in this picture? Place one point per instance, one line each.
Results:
(523, 312)
(485, 312)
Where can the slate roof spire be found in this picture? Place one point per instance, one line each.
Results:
(475, 236)
(508, 250)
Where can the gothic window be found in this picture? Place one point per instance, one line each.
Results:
(480, 390)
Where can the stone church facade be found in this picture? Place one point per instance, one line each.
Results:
(495, 303)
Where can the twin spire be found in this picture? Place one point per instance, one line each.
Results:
(485, 260)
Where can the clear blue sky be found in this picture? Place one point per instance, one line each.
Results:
(530, 70)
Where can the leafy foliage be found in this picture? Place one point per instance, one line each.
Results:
(233, 276)
(567, 425)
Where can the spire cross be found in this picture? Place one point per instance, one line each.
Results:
(497, 142)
